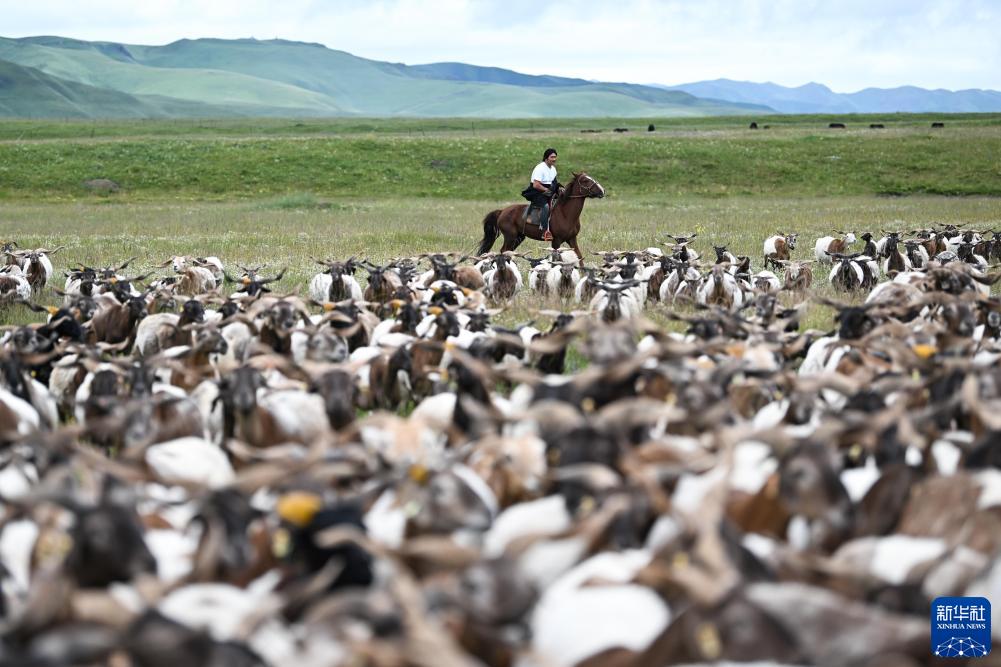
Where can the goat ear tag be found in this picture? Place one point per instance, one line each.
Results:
(281, 543)
(960, 627)
(245, 281)
(52, 310)
(419, 473)
(299, 507)
(327, 307)
(435, 310)
(924, 351)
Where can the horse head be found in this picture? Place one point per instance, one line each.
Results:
(582, 185)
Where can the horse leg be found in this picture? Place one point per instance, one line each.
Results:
(510, 243)
(576, 249)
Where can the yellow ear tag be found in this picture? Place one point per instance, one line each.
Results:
(924, 351)
(52, 310)
(435, 310)
(281, 543)
(299, 507)
(419, 473)
(327, 307)
(113, 281)
(708, 639)
(245, 281)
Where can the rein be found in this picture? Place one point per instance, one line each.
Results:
(585, 193)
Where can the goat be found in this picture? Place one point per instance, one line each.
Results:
(562, 279)
(766, 281)
(469, 277)
(724, 256)
(15, 377)
(116, 322)
(160, 331)
(276, 319)
(869, 249)
(680, 249)
(719, 288)
(990, 249)
(13, 285)
(615, 301)
(537, 271)
(84, 279)
(336, 387)
(655, 274)
(194, 278)
(683, 278)
(895, 261)
(798, 276)
(214, 265)
(916, 253)
(853, 272)
(37, 267)
(503, 280)
(778, 247)
(826, 244)
(964, 251)
(252, 285)
(262, 417)
(335, 284)
(383, 283)
(682, 240)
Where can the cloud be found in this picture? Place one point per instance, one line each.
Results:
(848, 45)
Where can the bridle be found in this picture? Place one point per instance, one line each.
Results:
(584, 193)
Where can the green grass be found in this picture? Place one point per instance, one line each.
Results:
(799, 160)
(23, 129)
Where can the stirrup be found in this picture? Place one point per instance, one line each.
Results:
(547, 235)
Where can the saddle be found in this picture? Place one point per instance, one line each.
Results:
(532, 215)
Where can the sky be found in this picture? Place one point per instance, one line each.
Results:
(845, 44)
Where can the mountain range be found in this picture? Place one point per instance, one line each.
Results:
(61, 77)
(58, 77)
(818, 98)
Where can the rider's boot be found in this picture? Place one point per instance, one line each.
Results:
(544, 224)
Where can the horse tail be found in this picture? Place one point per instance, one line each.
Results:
(490, 232)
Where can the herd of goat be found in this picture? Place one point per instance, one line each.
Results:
(196, 470)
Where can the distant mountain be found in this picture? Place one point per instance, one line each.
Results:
(215, 77)
(29, 92)
(817, 98)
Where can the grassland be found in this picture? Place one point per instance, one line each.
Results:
(373, 189)
(430, 159)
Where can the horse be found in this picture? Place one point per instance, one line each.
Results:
(564, 219)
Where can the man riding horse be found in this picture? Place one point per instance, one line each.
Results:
(541, 191)
(557, 210)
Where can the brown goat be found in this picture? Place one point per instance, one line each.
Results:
(798, 276)
(116, 322)
(778, 247)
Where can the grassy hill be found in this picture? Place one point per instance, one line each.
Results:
(27, 92)
(282, 78)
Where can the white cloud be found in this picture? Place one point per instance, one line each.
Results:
(848, 45)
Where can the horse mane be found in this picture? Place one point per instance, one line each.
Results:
(566, 190)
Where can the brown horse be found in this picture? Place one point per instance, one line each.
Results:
(564, 219)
